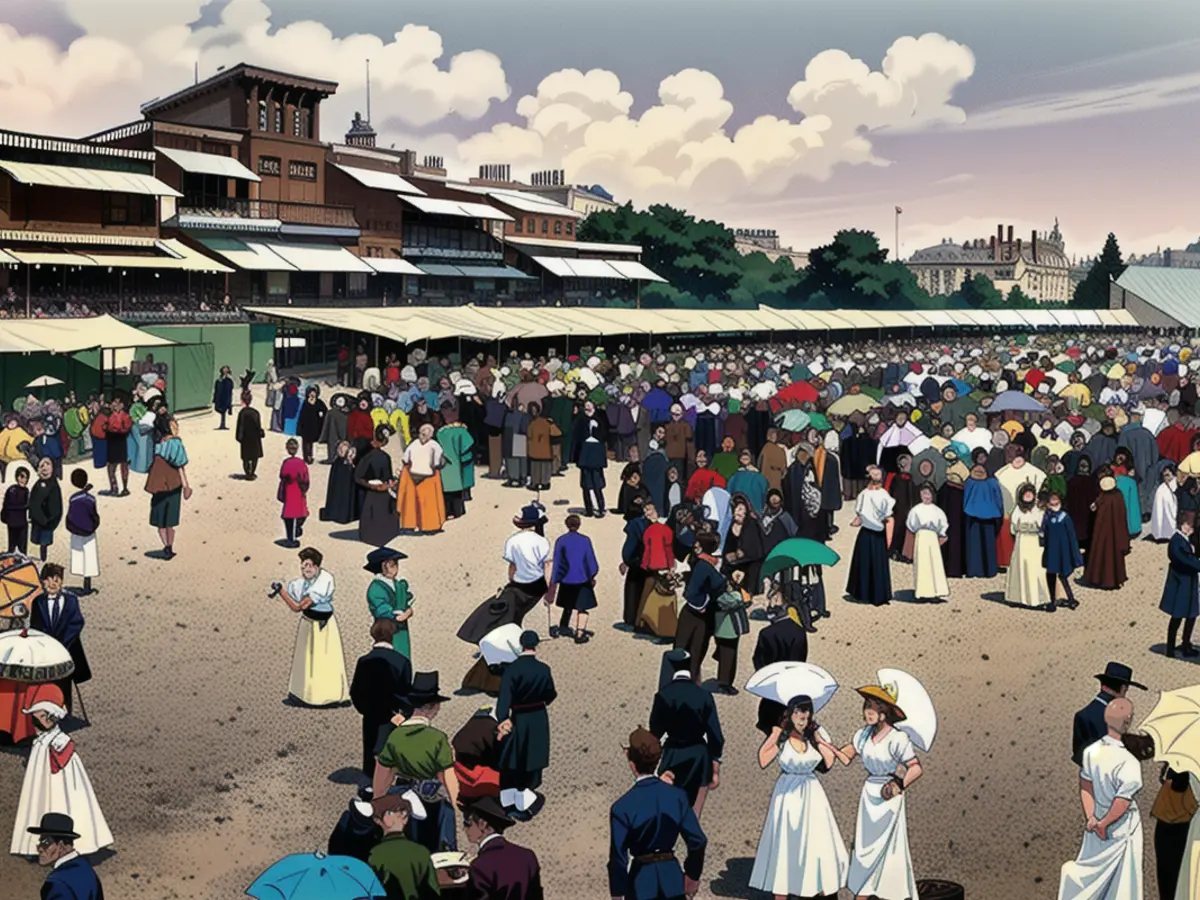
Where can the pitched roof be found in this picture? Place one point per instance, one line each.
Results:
(1175, 292)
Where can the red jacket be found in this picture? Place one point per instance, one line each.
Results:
(700, 482)
(658, 548)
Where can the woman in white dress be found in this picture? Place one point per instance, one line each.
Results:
(800, 852)
(1027, 585)
(930, 529)
(318, 676)
(882, 865)
(1166, 507)
(56, 781)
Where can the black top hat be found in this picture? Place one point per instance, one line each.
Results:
(425, 690)
(376, 559)
(490, 810)
(56, 825)
(533, 514)
(1121, 674)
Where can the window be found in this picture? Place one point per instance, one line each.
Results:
(126, 209)
(270, 165)
(296, 122)
(356, 284)
(558, 226)
(279, 118)
(570, 228)
(516, 226)
(262, 115)
(545, 226)
(531, 226)
(302, 171)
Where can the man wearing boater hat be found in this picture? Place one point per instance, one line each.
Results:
(71, 875)
(1089, 721)
(500, 869)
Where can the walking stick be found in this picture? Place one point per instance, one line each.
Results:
(82, 707)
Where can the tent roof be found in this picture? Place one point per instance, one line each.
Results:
(72, 335)
(1175, 292)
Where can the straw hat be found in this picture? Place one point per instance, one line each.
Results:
(884, 694)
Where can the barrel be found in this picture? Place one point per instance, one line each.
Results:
(937, 889)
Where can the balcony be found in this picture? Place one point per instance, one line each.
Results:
(284, 216)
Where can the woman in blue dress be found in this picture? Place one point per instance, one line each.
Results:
(1061, 556)
(1123, 471)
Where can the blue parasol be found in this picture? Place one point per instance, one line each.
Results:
(1015, 401)
(315, 876)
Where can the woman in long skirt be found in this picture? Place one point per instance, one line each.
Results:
(929, 528)
(318, 676)
(881, 865)
(1165, 513)
(1027, 584)
(800, 852)
(420, 500)
(341, 496)
(293, 493)
(377, 520)
(870, 579)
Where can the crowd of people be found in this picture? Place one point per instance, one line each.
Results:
(83, 302)
(1041, 457)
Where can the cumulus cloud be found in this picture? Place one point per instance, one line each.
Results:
(681, 148)
(132, 51)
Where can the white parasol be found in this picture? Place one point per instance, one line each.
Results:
(33, 657)
(781, 681)
(1174, 723)
(501, 645)
(44, 381)
(920, 722)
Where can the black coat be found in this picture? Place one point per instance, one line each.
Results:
(354, 835)
(223, 394)
(782, 641)
(380, 688)
(1089, 727)
(68, 631)
(687, 714)
(526, 683)
(311, 421)
(249, 433)
(341, 496)
(45, 504)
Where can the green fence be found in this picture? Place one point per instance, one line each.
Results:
(240, 346)
(189, 374)
(80, 373)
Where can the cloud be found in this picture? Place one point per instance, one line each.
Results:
(680, 149)
(960, 178)
(1054, 109)
(131, 51)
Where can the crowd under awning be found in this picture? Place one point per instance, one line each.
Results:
(418, 323)
(77, 178)
(73, 335)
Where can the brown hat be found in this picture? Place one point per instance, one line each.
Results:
(884, 694)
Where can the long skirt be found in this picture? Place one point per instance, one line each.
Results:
(456, 504)
(881, 865)
(1188, 887)
(1004, 544)
(165, 508)
(377, 523)
(981, 548)
(318, 667)
(657, 611)
(929, 572)
(422, 505)
(85, 556)
(800, 851)
(1108, 869)
(1026, 585)
(870, 578)
(68, 790)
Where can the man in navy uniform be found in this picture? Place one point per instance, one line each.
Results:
(1181, 593)
(71, 875)
(687, 714)
(645, 823)
(1089, 721)
(526, 689)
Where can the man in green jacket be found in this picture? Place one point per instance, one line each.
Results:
(404, 867)
(458, 474)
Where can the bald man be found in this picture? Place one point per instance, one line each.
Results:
(1109, 864)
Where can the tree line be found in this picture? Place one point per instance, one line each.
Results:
(704, 269)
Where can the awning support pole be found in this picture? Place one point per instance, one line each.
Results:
(28, 289)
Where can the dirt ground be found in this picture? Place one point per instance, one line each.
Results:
(207, 776)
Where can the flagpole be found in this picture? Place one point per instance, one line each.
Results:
(898, 211)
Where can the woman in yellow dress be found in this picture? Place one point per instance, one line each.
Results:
(318, 675)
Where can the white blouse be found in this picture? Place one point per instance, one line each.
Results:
(424, 459)
(928, 517)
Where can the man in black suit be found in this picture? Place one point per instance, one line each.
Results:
(687, 714)
(1089, 721)
(71, 875)
(56, 613)
(379, 690)
(784, 640)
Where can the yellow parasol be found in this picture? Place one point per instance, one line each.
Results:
(19, 581)
(1174, 723)
(1190, 465)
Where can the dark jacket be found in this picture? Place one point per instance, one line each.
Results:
(68, 630)
(15, 512)
(380, 688)
(526, 689)
(1089, 727)
(249, 432)
(82, 516)
(504, 871)
(311, 421)
(45, 504)
(649, 819)
(73, 880)
(223, 394)
(1181, 593)
(687, 714)
(781, 641)
(355, 834)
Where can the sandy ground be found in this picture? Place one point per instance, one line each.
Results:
(207, 776)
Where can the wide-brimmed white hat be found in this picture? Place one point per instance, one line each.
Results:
(46, 706)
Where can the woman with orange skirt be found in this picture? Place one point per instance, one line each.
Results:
(420, 501)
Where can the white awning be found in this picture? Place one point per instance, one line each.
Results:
(593, 268)
(49, 258)
(634, 271)
(1039, 318)
(73, 335)
(391, 265)
(575, 246)
(1087, 317)
(436, 206)
(381, 181)
(208, 164)
(87, 179)
(249, 256)
(555, 265)
(525, 203)
(5, 259)
(1009, 318)
(318, 257)
(182, 258)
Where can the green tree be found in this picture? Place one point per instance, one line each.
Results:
(1018, 299)
(980, 293)
(854, 271)
(1093, 291)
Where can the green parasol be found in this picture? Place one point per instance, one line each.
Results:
(798, 552)
(819, 422)
(793, 420)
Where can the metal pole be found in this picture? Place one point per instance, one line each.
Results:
(28, 279)
(897, 257)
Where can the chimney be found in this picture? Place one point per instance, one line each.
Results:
(1010, 234)
(995, 247)
(1033, 245)
(999, 242)
(1018, 256)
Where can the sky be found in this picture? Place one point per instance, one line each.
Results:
(805, 116)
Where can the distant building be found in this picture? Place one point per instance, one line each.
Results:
(1040, 268)
(1080, 269)
(1188, 258)
(766, 241)
(552, 185)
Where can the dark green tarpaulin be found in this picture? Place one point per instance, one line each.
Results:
(239, 345)
(80, 373)
(189, 374)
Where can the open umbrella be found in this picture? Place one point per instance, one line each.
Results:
(819, 422)
(1190, 465)
(19, 581)
(798, 552)
(920, 718)
(44, 381)
(502, 645)
(315, 876)
(796, 392)
(33, 657)
(850, 404)
(1014, 401)
(781, 681)
(1174, 723)
(793, 420)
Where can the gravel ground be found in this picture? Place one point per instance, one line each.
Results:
(207, 776)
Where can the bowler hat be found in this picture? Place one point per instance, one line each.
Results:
(425, 690)
(489, 809)
(57, 825)
(376, 559)
(1121, 674)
